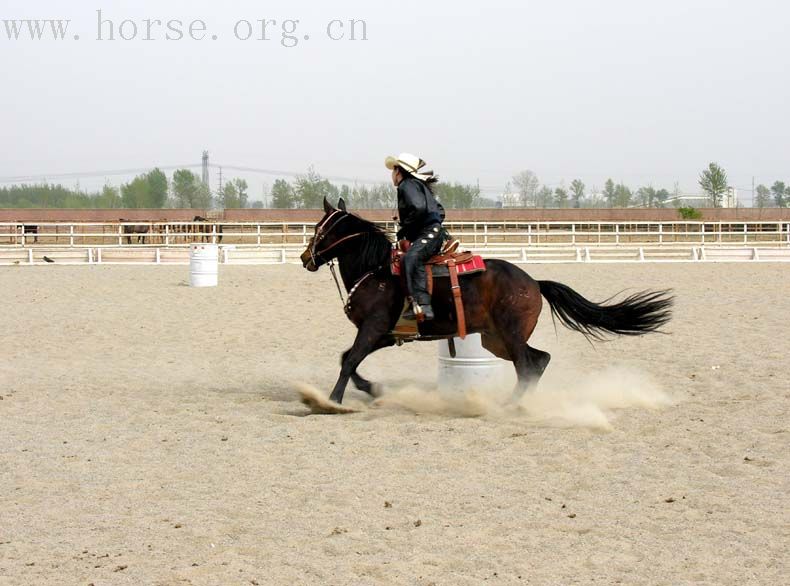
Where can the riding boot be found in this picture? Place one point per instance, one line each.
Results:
(410, 314)
(417, 312)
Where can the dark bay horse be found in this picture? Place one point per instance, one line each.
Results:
(135, 230)
(502, 303)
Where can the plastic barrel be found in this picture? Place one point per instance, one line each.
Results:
(473, 368)
(203, 265)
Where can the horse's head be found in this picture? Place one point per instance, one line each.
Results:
(329, 233)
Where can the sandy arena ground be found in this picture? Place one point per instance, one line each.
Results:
(150, 434)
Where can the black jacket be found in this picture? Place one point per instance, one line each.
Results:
(417, 208)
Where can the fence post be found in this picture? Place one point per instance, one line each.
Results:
(617, 233)
(167, 234)
(258, 226)
(745, 235)
(660, 234)
(98, 256)
(120, 235)
(529, 234)
(573, 234)
(158, 256)
(71, 235)
(282, 256)
(214, 233)
(485, 234)
(30, 256)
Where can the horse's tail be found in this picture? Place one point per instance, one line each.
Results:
(635, 315)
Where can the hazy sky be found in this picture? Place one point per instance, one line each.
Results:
(646, 93)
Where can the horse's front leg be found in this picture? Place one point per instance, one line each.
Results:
(369, 336)
(359, 381)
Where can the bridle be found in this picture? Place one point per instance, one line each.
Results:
(321, 232)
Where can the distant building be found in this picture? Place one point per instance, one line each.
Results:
(728, 200)
(512, 200)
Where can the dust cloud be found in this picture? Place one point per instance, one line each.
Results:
(570, 399)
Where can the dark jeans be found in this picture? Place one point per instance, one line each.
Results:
(426, 245)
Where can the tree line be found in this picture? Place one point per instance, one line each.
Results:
(525, 190)
(309, 190)
(185, 189)
(148, 190)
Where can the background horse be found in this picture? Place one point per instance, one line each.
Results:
(502, 303)
(139, 230)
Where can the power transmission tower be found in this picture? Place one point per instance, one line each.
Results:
(219, 189)
(205, 168)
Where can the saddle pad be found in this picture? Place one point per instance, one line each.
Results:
(475, 264)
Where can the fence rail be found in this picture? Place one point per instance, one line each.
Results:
(238, 255)
(472, 234)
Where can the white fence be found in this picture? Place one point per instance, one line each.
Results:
(472, 234)
(276, 243)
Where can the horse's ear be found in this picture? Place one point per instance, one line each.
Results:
(328, 206)
(341, 205)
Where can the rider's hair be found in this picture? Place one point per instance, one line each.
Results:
(429, 183)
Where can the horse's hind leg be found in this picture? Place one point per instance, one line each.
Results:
(530, 365)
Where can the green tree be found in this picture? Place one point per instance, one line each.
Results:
(189, 191)
(145, 191)
(109, 198)
(648, 196)
(457, 195)
(283, 196)
(577, 191)
(713, 182)
(763, 198)
(311, 189)
(561, 197)
(622, 196)
(544, 198)
(662, 195)
(228, 196)
(241, 191)
(157, 192)
(781, 194)
(136, 193)
(609, 193)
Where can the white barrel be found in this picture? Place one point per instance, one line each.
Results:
(203, 265)
(473, 368)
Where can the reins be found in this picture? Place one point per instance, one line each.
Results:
(319, 236)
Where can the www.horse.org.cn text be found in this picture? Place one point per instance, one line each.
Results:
(284, 32)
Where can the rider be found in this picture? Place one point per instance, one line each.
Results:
(421, 218)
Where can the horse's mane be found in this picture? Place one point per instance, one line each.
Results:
(373, 247)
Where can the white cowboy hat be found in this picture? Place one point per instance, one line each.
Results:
(409, 163)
